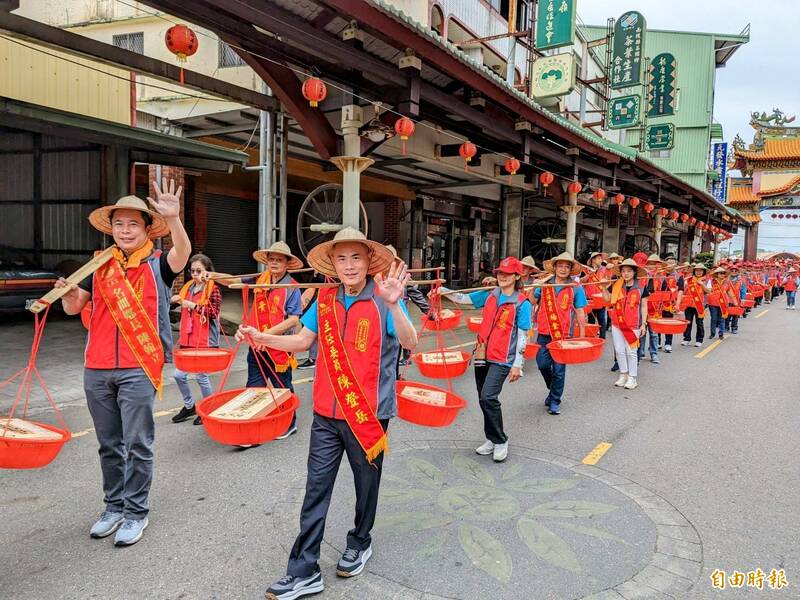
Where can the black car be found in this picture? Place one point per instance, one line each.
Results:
(21, 280)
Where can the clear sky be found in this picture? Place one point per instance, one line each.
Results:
(761, 75)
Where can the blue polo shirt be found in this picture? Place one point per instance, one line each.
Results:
(310, 322)
(579, 300)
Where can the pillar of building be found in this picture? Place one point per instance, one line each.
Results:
(571, 209)
(513, 223)
(716, 249)
(351, 165)
(658, 229)
(751, 242)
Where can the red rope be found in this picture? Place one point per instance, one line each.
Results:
(28, 372)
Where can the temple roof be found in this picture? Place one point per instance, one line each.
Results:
(751, 217)
(780, 149)
(742, 194)
(781, 189)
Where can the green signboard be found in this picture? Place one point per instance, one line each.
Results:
(624, 111)
(553, 75)
(555, 23)
(661, 91)
(627, 50)
(660, 137)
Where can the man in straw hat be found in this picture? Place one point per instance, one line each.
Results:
(674, 283)
(789, 283)
(738, 289)
(651, 280)
(359, 324)
(695, 289)
(596, 271)
(557, 304)
(129, 340)
(529, 270)
(719, 300)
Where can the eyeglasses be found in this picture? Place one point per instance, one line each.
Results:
(196, 271)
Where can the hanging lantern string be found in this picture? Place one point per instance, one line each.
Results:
(313, 72)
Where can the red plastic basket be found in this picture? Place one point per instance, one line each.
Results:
(474, 324)
(668, 326)
(571, 356)
(203, 360)
(443, 324)
(18, 453)
(428, 415)
(748, 303)
(596, 302)
(531, 350)
(735, 311)
(592, 329)
(246, 431)
(759, 293)
(446, 370)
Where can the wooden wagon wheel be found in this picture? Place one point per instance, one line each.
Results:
(323, 208)
(545, 238)
(640, 243)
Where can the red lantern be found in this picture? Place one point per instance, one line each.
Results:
(599, 195)
(619, 199)
(404, 127)
(780, 216)
(794, 216)
(774, 216)
(674, 215)
(692, 220)
(467, 151)
(574, 188)
(314, 90)
(546, 179)
(649, 207)
(182, 42)
(634, 202)
(684, 217)
(512, 166)
(662, 212)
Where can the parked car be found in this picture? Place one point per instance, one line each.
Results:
(21, 280)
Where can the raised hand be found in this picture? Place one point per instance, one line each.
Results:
(168, 202)
(393, 286)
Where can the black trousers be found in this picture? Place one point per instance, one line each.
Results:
(693, 317)
(330, 439)
(600, 317)
(489, 379)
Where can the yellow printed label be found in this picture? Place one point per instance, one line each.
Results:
(362, 333)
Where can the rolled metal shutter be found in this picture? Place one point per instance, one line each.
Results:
(231, 226)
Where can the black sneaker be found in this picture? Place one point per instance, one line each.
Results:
(403, 362)
(184, 414)
(291, 431)
(291, 587)
(353, 562)
(307, 364)
(198, 421)
(615, 367)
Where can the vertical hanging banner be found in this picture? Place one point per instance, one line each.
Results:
(719, 163)
(627, 50)
(555, 23)
(661, 88)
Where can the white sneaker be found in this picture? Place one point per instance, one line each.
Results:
(500, 452)
(623, 378)
(631, 384)
(685, 343)
(698, 344)
(485, 449)
(667, 348)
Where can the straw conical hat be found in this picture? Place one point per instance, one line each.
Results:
(100, 218)
(654, 258)
(549, 265)
(613, 255)
(699, 265)
(529, 262)
(719, 271)
(629, 262)
(381, 258)
(283, 249)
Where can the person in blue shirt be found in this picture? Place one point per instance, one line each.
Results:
(500, 348)
(569, 300)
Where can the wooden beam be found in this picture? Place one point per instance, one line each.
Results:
(61, 39)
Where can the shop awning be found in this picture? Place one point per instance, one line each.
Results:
(145, 146)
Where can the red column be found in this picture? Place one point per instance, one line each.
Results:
(751, 242)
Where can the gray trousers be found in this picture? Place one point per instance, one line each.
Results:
(121, 404)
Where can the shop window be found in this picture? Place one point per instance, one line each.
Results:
(228, 57)
(130, 41)
(660, 153)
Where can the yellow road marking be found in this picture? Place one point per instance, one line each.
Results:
(761, 314)
(597, 453)
(702, 353)
(164, 413)
(472, 343)
(82, 433)
(304, 380)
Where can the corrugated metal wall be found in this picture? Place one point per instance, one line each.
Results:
(231, 226)
(62, 178)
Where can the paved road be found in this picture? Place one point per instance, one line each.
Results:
(702, 474)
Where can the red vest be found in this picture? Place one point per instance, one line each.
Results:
(790, 283)
(631, 307)
(564, 303)
(269, 309)
(366, 345)
(195, 331)
(718, 295)
(499, 327)
(105, 348)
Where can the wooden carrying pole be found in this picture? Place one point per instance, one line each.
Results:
(276, 286)
(78, 276)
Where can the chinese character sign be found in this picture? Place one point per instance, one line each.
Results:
(626, 57)
(555, 23)
(661, 92)
(719, 163)
(624, 112)
(553, 75)
(660, 137)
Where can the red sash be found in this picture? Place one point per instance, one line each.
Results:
(719, 290)
(132, 320)
(268, 310)
(350, 397)
(625, 302)
(551, 313)
(696, 295)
